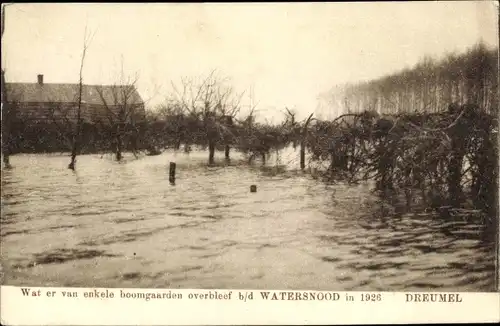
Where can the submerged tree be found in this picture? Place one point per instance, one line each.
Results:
(121, 122)
(212, 105)
(123, 109)
(69, 120)
(76, 139)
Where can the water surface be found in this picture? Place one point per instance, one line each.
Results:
(123, 225)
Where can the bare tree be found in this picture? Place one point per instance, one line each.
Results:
(76, 139)
(212, 103)
(123, 108)
(68, 122)
(258, 139)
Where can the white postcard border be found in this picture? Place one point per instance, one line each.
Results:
(47, 305)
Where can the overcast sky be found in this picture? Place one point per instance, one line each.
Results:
(289, 53)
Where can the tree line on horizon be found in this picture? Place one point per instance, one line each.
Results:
(430, 86)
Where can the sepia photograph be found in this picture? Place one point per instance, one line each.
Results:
(281, 146)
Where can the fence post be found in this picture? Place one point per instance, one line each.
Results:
(172, 173)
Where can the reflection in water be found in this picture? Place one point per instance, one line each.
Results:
(124, 225)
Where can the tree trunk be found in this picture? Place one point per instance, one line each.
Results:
(250, 158)
(119, 147)
(6, 157)
(302, 155)
(351, 156)
(332, 161)
(303, 143)
(77, 133)
(76, 139)
(226, 152)
(74, 153)
(211, 152)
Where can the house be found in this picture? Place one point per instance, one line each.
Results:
(46, 102)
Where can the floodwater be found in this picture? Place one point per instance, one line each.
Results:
(123, 225)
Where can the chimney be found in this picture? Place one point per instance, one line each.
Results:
(40, 79)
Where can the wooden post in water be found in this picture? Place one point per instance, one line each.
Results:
(253, 188)
(172, 173)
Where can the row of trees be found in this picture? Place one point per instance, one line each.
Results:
(209, 126)
(198, 112)
(471, 77)
(204, 112)
(207, 113)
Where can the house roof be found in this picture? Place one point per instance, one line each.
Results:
(68, 93)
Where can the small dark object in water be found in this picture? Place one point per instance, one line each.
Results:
(172, 173)
(253, 188)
